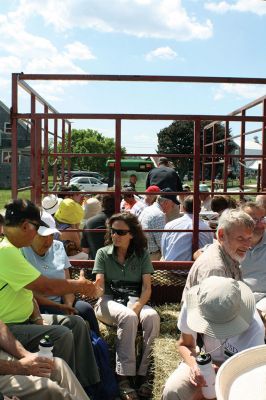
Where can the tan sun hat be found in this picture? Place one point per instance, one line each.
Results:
(243, 376)
(220, 307)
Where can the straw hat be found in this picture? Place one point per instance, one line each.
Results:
(220, 307)
(69, 212)
(51, 203)
(243, 376)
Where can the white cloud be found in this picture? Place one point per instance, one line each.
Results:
(142, 18)
(23, 51)
(255, 6)
(164, 53)
(79, 51)
(10, 63)
(239, 91)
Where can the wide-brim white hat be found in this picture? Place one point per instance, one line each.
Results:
(51, 203)
(220, 307)
(243, 376)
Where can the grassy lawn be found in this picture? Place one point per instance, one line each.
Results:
(5, 196)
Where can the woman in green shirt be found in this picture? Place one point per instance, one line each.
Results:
(123, 264)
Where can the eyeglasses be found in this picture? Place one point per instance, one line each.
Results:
(119, 232)
(259, 220)
(35, 224)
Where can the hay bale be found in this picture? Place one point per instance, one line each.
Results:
(165, 361)
(168, 314)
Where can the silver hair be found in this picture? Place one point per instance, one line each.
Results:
(232, 217)
(261, 200)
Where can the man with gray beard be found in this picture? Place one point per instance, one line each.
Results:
(222, 258)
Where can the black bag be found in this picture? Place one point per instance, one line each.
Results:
(121, 290)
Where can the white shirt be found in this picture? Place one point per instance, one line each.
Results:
(253, 336)
(253, 269)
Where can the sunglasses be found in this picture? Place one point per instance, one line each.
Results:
(119, 232)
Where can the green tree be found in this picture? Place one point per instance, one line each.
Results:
(89, 141)
(178, 138)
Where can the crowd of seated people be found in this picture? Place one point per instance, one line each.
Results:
(33, 256)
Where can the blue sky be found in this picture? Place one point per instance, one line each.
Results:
(146, 37)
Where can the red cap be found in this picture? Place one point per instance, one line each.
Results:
(152, 189)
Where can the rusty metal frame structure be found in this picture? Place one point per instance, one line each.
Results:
(49, 113)
(261, 182)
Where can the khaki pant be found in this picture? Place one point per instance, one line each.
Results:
(62, 385)
(179, 387)
(112, 313)
(71, 338)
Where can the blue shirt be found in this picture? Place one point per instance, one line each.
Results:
(52, 264)
(177, 246)
(253, 269)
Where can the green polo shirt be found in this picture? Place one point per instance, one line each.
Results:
(132, 270)
(15, 273)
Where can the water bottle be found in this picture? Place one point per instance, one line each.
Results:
(131, 301)
(46, 347)
(204, 362)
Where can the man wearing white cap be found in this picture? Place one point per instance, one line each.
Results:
(221, 312)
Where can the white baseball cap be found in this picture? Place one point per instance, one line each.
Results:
(47, 227)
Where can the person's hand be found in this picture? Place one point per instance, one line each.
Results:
(34, 365)
(11, 398)
(68, 309)
(196, 378)
(87, 288)
(99, 290)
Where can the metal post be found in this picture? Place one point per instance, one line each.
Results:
(242, 155)
(117, 164)
(226, 160)
(55, 169)
(32, 150)
(38, 165)
(196, 175)
(45, 150)
(14, 133)
(263, 166)
(63, 150)
(213, 170)
(204, 158)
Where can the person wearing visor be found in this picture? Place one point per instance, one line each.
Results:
(48, 256)
(19, 279)
(123, 269)
(219, 317)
